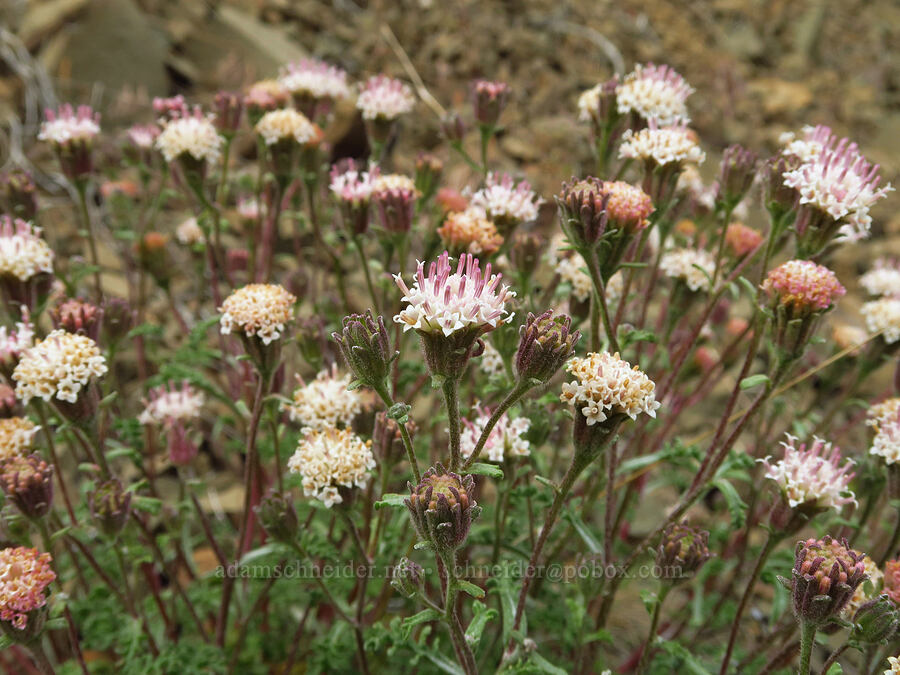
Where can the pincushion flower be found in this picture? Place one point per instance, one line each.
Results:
(491, 363)
(812, 477)
(835, 182)
(68, 125)
(13, 343)
(470, 231)
(287, 124)
(894, 663)
(489, 100)
(142, 136)
(447, 302)
(883, 279)
(192, 135)
(606, 385)
(655, 93)
(315, 79)
(188, 232)
(589, 103)
(505, 441)
(885, 419)
(257, 310)
(23, 253)
(331, 461)
(741, 239)
(812, 141)
(506, 202)
(395, 196)
(695, 267)
(353, 185)
(662, 145)
(16, 437)
(571, 270)
(169, 403)
(803, 286)
(866, 591)
(59, 366)
(25, 574)
(883, 316)
(384, 98)
(825, 576)
(326, 402)
(264, 96)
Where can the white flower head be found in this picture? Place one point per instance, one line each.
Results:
(68, 125)
(445, 301)
(655, 93)
(502, 198)
(316, 79)
(260, 310)
(169, 403)
(385, 98)
(883, 316)
(287, 124)
(662, 145)
(812, 475)
(326, 402)
(883, 279)
(692, 265)
(193, 134)
(885, 419)
(505, 441)
(23, 252)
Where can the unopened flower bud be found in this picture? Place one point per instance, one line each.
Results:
(453, 128)
(21, 194)
(546, 342)
(779, 198)
(229, 110)
(736, 175)
(366, 346)
(278, 517)
(582, 210)
(118, 319)
(408, 578)
(428, 174)
(876, 622)
(489, 100)
(387, 443)
(682, 551)
(442, 507)
(154, 258)
(110, 506)
(825, 576)
(78, 316)
(28, 483)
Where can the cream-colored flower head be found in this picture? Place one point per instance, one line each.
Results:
(193, 135)
(316, 79)
(606, 385)
(883, 316)
(491, 363)
(884, 417)
(169, 403)
(328, 459)
(23, 253)
(589, 102)
(16, 437)
(260, 310)
(470, 231)
(188, 232)
(812, 475)
(59, 366)
(326, 402)
(894, 663)
(662, 145)
(393, 181)
(866, 591)
(384, 98)
(287, 124)
(692, 265)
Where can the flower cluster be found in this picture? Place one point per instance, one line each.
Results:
(885, 419)
(315, 79)
(506, 440)
(655, 93)
(329, 459)
(168, 403)
(265, 95)
(326, 402)
(606, 385)
(835, 178)
(507, 202)
(260, 310)
(883, 279)
(883, 316)
(470, 231)
(68, 125)
(812, 476)
(192, 134)
(188, 232)
(23, 253)
(16, 437)
(352, 185)
(285, 125)
(58, 366)
(25, 574)
(662, 145)
(803, 286)
(445, 301)
(384, 98)
(13, 343)
(741, 239)
(692, 265)
(142, 136)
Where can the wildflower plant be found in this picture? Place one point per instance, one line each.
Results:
(326, 407)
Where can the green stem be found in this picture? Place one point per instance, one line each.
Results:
(654, 625)
(404, 434)
(357, 244)
(807, 639)
(81, 189)
(599, 298)
(451, 398)
(451, 616)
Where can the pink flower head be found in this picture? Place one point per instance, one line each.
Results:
(742, 239)
(25, 573)
(838, 181)
(445, 301)
(68, 125)
(143, 135)
(505, 441)
(315, 79)
(490, 100)
(350, 183)
(505, 200)
(803, 285)
(655, 93)
(812, 476)
(384, 98)
(170, 108)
